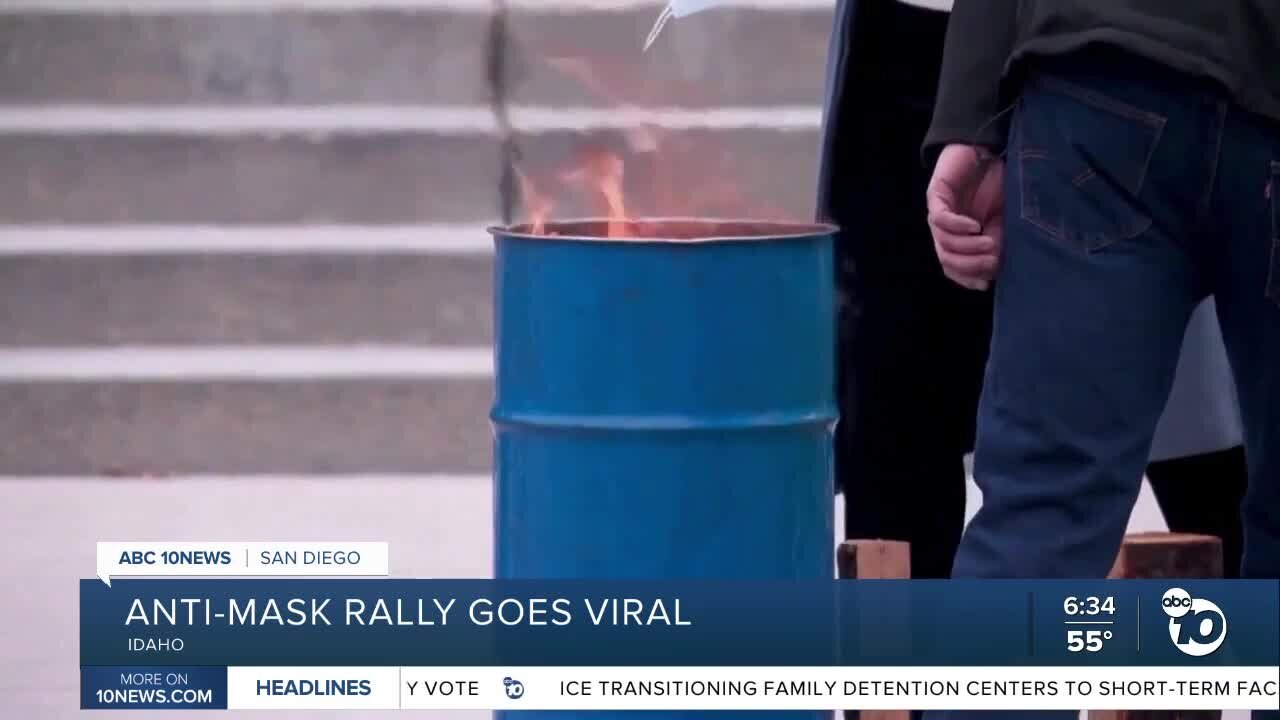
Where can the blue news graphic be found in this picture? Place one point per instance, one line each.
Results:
(162, 623)
(140, 687)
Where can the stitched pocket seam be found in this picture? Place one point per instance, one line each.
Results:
(1105, 103)
(1102, 102)
(1154, 122)
(1034, 217)
(1058, 233)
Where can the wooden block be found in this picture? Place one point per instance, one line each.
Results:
(874, 560)
(1150, 556)
(1178, 556)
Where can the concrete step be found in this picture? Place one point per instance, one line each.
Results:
(177, 178)
(736, 56)
(385, 177)
(163, 428)
(233, 299)
(733, 57)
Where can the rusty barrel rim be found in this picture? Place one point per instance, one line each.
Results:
(668, 230)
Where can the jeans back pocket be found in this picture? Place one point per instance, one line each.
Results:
(1082, 161)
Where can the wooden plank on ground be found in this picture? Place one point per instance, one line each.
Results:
(1161, 555)
(874, 560)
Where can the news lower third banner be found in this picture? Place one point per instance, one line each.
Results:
(689, 645)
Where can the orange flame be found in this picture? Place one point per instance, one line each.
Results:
(601, 171)
(677, 173)
(537, 206)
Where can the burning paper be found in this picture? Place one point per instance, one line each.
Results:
(678, 9)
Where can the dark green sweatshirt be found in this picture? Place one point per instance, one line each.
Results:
(1234, 42)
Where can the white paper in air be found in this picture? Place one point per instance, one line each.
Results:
(679, 9)
(683, 8)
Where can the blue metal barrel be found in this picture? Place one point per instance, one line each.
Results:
(664, 406)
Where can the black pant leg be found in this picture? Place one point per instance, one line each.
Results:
(912, 344)
(912, 352)
(1202, 494)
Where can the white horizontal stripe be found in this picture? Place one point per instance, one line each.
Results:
(472, 6)
(246, 363)
(261, 479)
(456, 120)
(430, 239)
(746, 689)
(788, 117)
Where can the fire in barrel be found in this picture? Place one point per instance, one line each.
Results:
(664, 391)
(664, 399)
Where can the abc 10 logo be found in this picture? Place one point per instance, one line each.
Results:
(1197, 626)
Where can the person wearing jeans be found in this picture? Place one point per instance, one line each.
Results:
(906, 420)
(1131, 192)
(1138, 173)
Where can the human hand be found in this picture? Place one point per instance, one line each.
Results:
(966, 214)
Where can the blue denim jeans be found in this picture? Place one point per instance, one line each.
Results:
(1131, 194)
